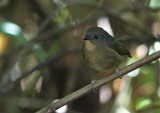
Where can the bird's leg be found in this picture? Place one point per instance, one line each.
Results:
(117, 72)
(94, 76)
(94, 89)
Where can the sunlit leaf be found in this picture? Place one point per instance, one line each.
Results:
(142, 103)
(62, 16)
(12, 30)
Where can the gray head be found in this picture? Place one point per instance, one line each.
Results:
(97, 35)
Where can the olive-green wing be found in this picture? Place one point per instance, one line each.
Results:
(123, 39)
(119, 47)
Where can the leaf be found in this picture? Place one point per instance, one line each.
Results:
(62, 16)
(142, 103)
(39, 52)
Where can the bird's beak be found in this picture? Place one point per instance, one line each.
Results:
(86, 38)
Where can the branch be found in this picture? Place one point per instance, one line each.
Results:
(11, 51)
(13, 85)
(83, 91)
(42, 27)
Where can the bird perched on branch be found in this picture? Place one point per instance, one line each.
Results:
(101, 51)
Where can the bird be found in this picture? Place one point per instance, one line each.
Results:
(102, 52)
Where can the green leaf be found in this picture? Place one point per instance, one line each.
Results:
(142, 103)
(39, 52)
(62, 16)
(13, 30)
(55, 47)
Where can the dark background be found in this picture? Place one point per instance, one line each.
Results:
(43, 62)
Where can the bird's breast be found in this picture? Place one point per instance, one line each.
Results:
(100, 58)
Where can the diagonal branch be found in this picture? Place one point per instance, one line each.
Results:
(83, 91)
(13, 85)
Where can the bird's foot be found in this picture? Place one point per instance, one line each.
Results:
(93, 88)
(117, 72)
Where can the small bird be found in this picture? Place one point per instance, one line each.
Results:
(101, 51)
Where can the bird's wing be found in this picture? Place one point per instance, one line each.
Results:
(123, 39)
(119, 47)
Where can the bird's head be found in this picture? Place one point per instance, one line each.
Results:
(97, 35)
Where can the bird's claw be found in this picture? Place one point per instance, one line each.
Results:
(93, 88)
(118, 75)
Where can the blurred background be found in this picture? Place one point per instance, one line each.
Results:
(41, 60)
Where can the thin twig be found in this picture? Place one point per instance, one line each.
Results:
(7, 74)
(42, 27)
(83, 91)
(11, 51)
(53, 58)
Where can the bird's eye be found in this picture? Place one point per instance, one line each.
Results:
(96, 36)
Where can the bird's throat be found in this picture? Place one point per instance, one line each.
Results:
(89, 46)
